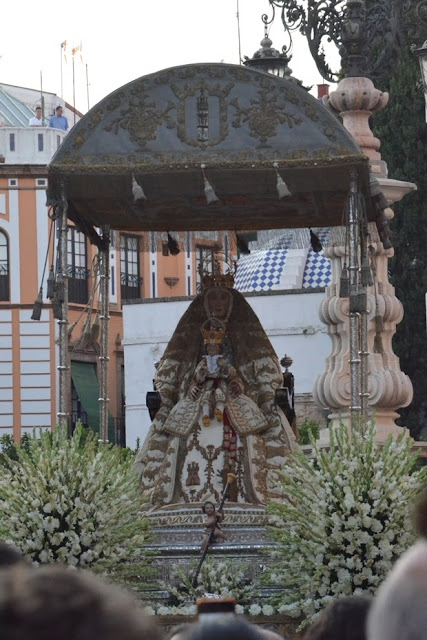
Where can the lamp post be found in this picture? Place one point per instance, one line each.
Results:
(422, 57)
(362, 375)
(364, 32)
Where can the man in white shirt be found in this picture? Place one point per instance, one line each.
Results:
(37, 120)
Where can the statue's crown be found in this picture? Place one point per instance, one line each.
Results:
(213, 336)
(218, 280)
(221, 275)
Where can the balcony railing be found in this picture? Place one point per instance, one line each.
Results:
(130, 288)
(78, 288)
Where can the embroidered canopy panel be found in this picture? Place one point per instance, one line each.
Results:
(207, 146)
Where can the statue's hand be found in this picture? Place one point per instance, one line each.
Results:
(195, 391)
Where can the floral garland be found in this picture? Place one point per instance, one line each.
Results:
(346, 519)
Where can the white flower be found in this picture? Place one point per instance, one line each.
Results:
(346, 518)
(267, 610)
(254, 610)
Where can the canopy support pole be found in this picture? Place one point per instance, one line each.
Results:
(353, 268)
(104, 358)
(62, 288)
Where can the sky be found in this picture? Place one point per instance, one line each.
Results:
(128, 39)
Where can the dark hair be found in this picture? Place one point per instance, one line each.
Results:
(180, 629)
(9, 555)
(207, 502)
(58, 107)
(37, 108)
(420, 514)
(52, 602)
(225, 627)
(344, 619)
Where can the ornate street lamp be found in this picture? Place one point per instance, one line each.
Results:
(364, 32)
(422, 57)
(268, 58)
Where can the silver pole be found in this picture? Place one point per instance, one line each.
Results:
(104, 256)
(353, 268)
(364, 363)
(62, 281)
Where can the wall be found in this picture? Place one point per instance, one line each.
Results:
(27, 144)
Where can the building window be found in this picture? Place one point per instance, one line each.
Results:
(13, 182)
(78, 273)
(130, 280)
(12, 141)
(205, 257)
(40, 140)
(41, 182)
(4, 267)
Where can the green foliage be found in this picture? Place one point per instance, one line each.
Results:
(73, 501)
(345, 519)
(308, 431)
(402, 130)
(9, 447)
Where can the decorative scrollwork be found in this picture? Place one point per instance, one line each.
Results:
(366, 32)
(416, 19)
(318, 20)
(142, 119)
(264, 115)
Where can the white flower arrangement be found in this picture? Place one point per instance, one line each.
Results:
(73, 501)
(219, 579)
(345, 520)
(216, 579)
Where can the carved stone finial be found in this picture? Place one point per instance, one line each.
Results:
(356, 99)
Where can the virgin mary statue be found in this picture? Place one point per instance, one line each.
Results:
(217, 380)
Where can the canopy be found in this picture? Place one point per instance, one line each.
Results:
(153, 153)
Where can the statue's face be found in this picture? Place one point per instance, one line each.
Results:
(218, 303)
(209, 509)
(213, 349)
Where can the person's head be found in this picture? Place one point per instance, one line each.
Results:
(399, 611)
(51, 602)
(420, 515)
(58, 110)
(343, 619)
(208, 508)
(219, 301)
(180, 631)
(38, 112)
(223, 627)
(10, 556)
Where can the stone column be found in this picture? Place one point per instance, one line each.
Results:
(356, 99)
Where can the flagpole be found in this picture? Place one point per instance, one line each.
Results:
(62, 81)
(87, 87)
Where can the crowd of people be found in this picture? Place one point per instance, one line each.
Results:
(51, 602)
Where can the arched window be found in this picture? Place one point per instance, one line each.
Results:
(4, 267)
